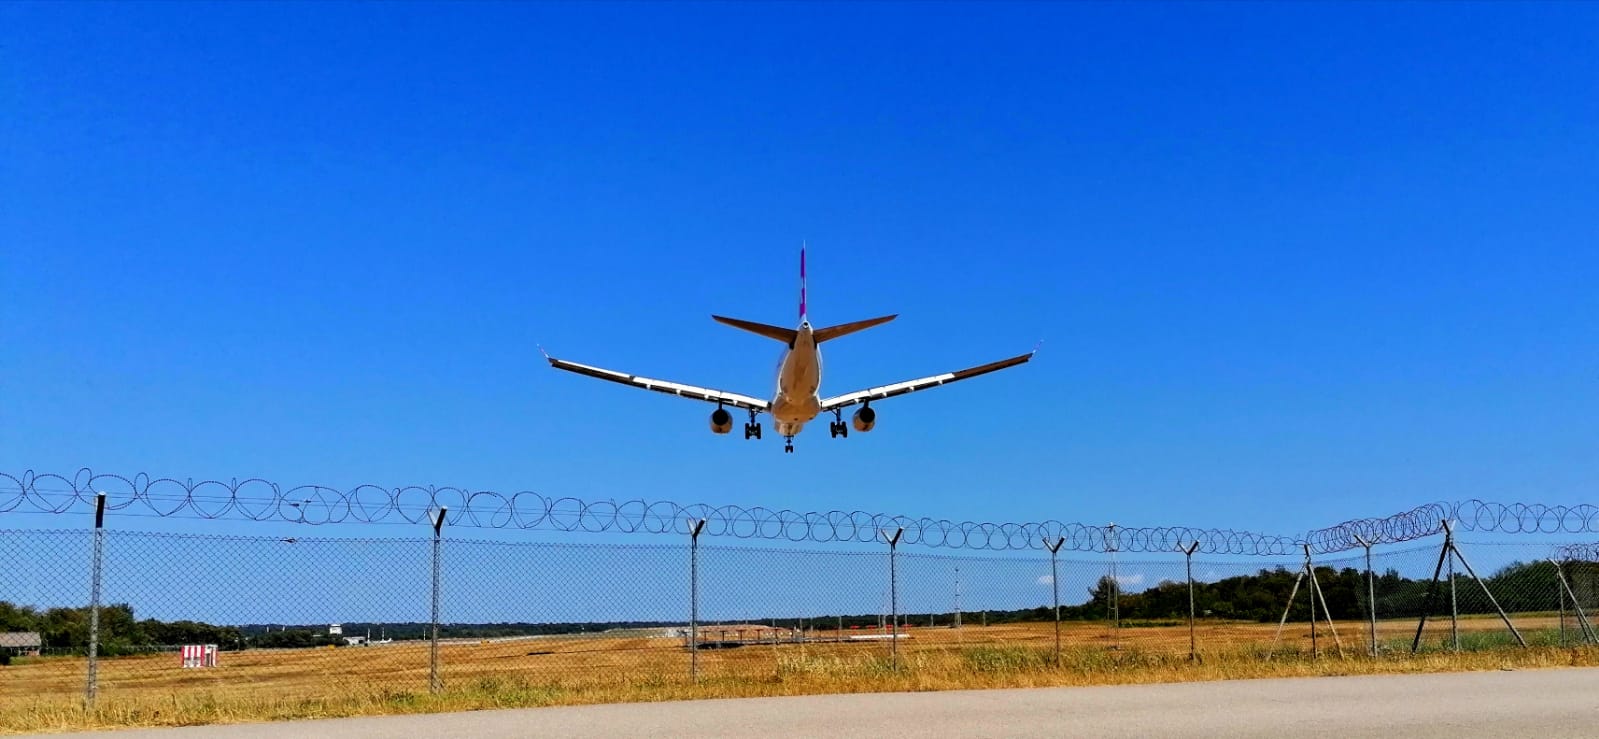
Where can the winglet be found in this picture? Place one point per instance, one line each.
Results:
(1036, 347)
(545, 353)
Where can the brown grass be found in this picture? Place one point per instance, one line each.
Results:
(264, 685)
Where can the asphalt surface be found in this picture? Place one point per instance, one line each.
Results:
(1540, 703)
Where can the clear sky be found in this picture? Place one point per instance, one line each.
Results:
(1292, 264)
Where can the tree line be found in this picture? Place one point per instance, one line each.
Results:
(1261, 596)
(120, 632)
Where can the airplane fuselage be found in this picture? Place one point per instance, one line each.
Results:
(799, 378)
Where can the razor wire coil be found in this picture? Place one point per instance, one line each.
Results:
(1577, 552)
(262, 500)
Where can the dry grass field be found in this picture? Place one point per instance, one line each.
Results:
(151, 690)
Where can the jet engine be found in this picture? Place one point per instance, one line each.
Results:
(721, 421)
(864, 419)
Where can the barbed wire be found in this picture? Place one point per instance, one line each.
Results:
(1577, 552)
(262, 500)
(1468, 515)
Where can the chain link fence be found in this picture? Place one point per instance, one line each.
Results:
(307, 618)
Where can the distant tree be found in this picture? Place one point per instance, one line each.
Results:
(18, 618)
(1099, 596)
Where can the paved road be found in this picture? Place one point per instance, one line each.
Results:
(1540, 703)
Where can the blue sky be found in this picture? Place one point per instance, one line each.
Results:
(1292, 264)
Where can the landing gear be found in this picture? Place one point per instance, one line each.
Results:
(788, 445)
(752, 430)
(837, 427)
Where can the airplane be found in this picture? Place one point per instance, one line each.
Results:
(799, 377)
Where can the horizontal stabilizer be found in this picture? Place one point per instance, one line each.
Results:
(785, 335)
(842, 329)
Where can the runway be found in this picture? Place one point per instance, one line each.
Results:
(1542, 703)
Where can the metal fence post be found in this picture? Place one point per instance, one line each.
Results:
(1115, 582)
(1371, 596)
(1298, 579)
(694, 600)
(1454, 608)
(92, 687)
(893, 593)
(1054, 585)
(434, 684)
(1584, 626)
(957, 597)
(1316, 594)
(1193, 643)
(1450, 543)
(1432, 585)
(1310, 572)
(1560, 595)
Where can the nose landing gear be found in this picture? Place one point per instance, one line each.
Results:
(788, 445)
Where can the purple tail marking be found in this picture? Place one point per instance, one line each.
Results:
(802, 282)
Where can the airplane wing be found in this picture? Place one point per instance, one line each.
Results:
(911, 386)
(662, 386)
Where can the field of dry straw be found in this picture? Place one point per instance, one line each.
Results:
(46, 694)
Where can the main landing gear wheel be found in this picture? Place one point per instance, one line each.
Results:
(752, 429)
(838, 428)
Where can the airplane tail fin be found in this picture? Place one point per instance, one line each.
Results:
(785, 335)
(844, 329)
(803, 318)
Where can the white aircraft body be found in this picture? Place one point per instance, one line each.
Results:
(799, 378)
